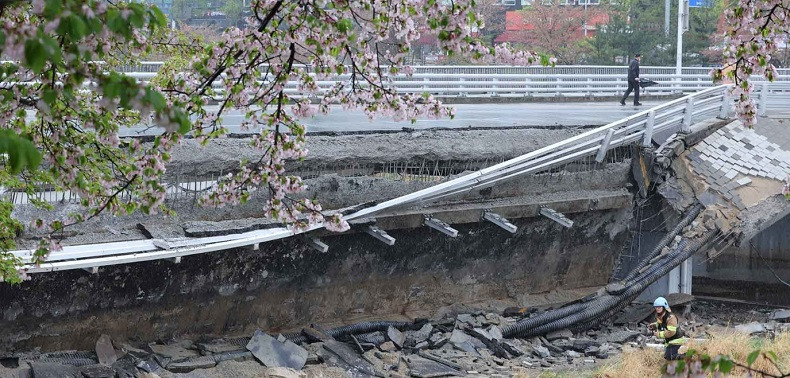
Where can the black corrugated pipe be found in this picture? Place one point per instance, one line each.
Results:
(546, 317)
(687, 219)
(589, 324)
(602, 305)
(353, 329)
(532, 323)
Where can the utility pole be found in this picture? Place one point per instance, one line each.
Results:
(667, 8)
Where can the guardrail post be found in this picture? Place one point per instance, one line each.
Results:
(687, 115)
(557, 88)
(762, 108)
(494, 87)
(589, 87)
(726, 99)
(425, 84)
(527, 87)
(461, 89)
(604, 146)
(647, 140)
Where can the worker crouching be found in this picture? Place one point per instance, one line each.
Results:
(666, 327)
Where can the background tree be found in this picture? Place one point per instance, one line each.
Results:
(635, 26)
(492, 14)
(555, 30)
(757, 30)
(50, 50)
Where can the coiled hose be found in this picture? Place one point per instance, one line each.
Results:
(687, 219)
(608, 304)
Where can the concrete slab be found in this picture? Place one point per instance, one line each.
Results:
(273, 353)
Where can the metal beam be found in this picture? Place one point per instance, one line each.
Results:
(318, 245)
(441, 226)
(380, 234)
(647, 140)
(726, 103)
(688, 113)
(500, 221)
(604, 146)
(556, 216)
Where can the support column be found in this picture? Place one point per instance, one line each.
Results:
(673, 281)
(686, 274)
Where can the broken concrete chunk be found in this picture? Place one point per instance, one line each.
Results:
(148, 364)
(463, 342)
(49, 370)
(481, 334)
(558, 335)
(342, 355)
(495, 332)
(750, 328)
(581, 345)
(512, 348)
(425, 368)
(105, 351)
(622, 337)
(540, 351)
(468, 319)
(389, 346)
(397, 337)
(780, 315)
(315, 335)
(459, 336)
(219, 347)
(635, 314)
(172, 351)
(422, 334)
(97, 371)
(203, 362)
(235, 355)
(591, 351)
(273, 353)
(438, 339)
(125, 368)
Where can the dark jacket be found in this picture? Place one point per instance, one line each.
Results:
(633, 70)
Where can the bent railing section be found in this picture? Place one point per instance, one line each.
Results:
(672, 117)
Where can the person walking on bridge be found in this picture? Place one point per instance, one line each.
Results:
(633, 80)
(666, 327)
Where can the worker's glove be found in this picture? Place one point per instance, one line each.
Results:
(651, 326)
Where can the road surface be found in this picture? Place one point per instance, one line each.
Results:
(467, 115)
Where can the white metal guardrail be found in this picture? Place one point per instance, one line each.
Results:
(154, 66)
(565, 81)
(674, 116)
(509, 81)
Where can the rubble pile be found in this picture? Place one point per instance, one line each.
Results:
(459, 345)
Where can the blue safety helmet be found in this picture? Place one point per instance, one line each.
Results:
(661, 302)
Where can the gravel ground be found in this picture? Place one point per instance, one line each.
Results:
(450, 344)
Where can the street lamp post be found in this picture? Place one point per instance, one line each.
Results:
(667, 9)
(683, 19)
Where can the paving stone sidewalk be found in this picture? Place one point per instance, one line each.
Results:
(734, 155)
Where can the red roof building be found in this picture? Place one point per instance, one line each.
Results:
(517, 29)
